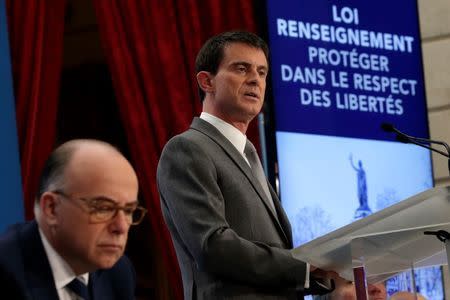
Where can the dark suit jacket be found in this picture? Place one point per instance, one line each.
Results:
(229, 243)
(25, 270)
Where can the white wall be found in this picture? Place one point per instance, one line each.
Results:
(435, 31)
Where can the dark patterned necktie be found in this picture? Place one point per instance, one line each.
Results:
(255, 164)
(79, 288)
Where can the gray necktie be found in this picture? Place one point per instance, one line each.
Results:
(79, 288)
(255, 164)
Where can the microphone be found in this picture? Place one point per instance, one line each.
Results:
(387, 127)
(407, 139)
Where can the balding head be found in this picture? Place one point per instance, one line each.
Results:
(52, 177)
(345, 290)
(403, 295)
(95, 162)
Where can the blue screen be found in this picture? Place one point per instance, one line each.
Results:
(11, 204)
(339, 70)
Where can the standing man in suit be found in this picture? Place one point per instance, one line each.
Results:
(74, 249)
(231, 235)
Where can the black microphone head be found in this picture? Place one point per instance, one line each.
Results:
(402, 138)
(387, 127)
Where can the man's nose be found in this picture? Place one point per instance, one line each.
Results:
(253, 76)
(120, 223)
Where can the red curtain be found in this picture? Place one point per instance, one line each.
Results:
(151, 48)
(36, 40)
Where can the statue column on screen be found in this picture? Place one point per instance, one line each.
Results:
(363, 209)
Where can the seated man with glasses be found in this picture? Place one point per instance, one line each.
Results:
(84, 207)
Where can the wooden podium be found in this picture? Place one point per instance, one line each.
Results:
(387, 242)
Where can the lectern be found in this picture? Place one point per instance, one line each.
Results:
(385, 243)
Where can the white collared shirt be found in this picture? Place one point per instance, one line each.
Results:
(231, 133)
(62, 272)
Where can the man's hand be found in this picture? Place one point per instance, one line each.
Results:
(320, 281)
(319, 273)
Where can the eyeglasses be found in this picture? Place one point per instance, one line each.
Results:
(103, 209)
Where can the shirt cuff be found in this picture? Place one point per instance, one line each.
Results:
(307, 277)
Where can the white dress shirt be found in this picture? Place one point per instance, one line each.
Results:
(62, 273)
(231, 133)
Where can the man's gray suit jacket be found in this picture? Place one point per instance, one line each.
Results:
(229, 243)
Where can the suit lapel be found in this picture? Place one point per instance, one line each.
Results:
(96, 289)
(282, 217)
(38, 271)
(215, 135)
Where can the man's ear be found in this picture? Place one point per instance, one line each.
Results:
(48, 204)
(205, 81)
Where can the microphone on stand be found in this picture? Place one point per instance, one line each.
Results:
(425, 143)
